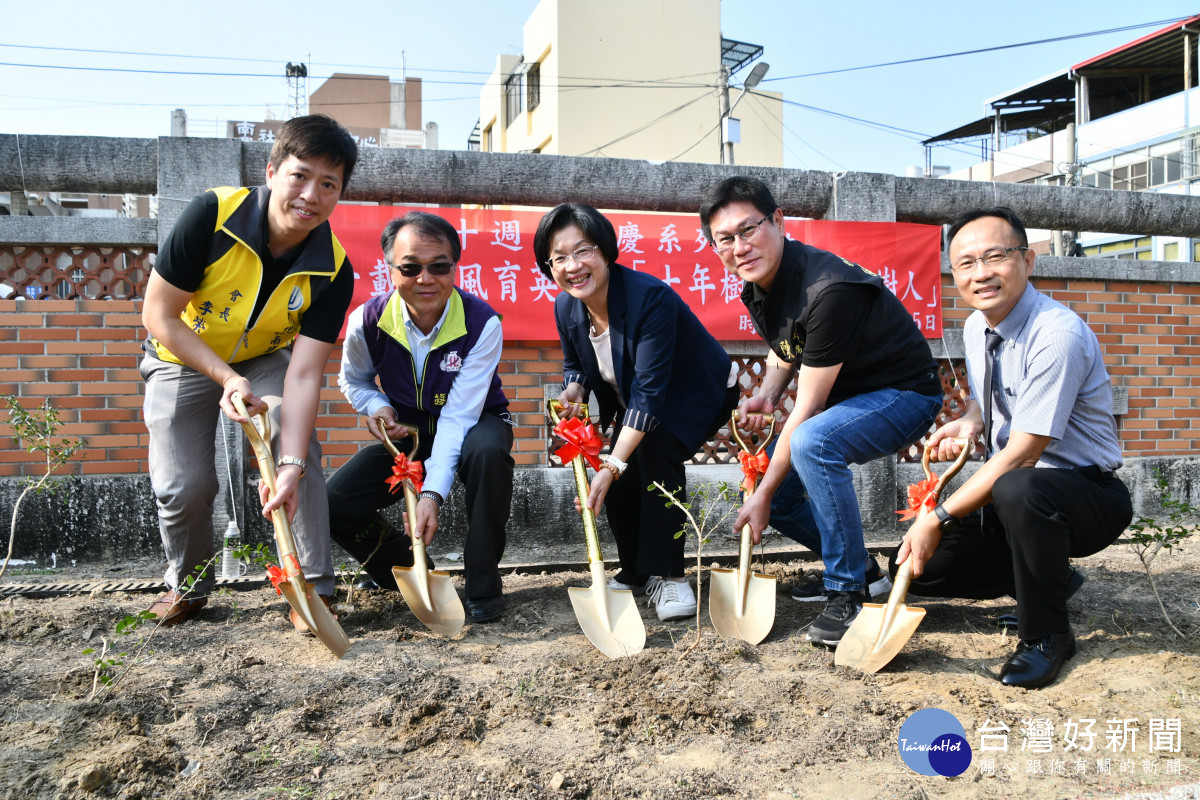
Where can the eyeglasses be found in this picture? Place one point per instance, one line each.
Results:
(579, 256)
(991, 258)
(412, 270)
(724, 242)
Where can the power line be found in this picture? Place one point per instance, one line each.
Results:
(981, 50)
(638, 130)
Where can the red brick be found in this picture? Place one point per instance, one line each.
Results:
(46, 334)
(74, 320)
(74, 348)
(75, 374)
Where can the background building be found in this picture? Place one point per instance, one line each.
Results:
(377, 111)
(1125, 119)
(626, 79)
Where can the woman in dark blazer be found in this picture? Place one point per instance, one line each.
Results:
(655, 370)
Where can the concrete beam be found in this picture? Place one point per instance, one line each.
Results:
(187, 167)
(101, 164)
(78, 231)
(459, 176)
(936, 201)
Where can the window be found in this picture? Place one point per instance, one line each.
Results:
(533, 86)
(1140, 249)
(512, 98)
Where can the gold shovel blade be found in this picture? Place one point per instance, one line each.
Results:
(319, 619)
(748, 617)
(431, 596)
(868, 646)
(609, 618)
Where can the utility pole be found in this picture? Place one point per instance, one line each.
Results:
(723, 86)
(731, 129)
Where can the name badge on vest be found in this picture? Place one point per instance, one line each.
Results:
(451, 362)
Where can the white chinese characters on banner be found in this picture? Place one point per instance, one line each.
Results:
(496, 258)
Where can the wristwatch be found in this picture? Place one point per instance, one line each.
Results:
(615, 465)
(945, 521)
(295, 462)
(429, 494)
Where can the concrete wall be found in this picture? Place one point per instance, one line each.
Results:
(83, 353)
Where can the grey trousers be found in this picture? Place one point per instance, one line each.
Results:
(181, 411)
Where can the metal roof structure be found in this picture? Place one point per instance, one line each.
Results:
(735, 54)
(1136, 72)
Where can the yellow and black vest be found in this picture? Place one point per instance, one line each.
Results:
(220, 309)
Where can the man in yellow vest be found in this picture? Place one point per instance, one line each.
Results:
(247, 295)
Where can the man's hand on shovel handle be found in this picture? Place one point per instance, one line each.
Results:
(427, 519)
(756, 414)
(920, 542)
(287, 480)
(391, 429)
(757, 512)
(238, 384)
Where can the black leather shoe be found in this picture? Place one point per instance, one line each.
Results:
(484, 610)
(1077, 579)
(1037, 661)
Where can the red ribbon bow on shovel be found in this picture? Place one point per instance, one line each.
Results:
(581, 439)
(279, 575)
(754, 466)
(405, 470)
(922, 495)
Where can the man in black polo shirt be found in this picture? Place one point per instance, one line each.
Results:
(866, 387)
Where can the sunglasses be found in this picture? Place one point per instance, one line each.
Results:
(437, 269)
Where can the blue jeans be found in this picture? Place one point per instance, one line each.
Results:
(816, 504)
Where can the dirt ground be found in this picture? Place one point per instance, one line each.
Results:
(235, 705)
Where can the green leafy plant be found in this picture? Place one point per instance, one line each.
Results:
(36, 431)
(108, 669)
(1150, 537)
(709, 509)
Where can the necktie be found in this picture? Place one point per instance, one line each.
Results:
(994, 341)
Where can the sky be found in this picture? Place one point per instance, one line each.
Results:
(452, 46)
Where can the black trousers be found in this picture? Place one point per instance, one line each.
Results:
(641, 522)
(358, 491)
(1020, 544)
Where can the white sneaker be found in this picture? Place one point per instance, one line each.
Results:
(673, 600)
(645, 588)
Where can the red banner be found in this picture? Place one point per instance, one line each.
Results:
(497, 263)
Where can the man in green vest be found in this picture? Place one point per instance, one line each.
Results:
(247, 295)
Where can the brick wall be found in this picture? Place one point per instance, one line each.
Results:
(1150, 336)
(84, 355)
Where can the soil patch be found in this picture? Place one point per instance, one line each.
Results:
(235, 705)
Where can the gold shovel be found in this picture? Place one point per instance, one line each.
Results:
(741, 602)
(609, 617)
(291, 583)
(429, 593)
(881, 631)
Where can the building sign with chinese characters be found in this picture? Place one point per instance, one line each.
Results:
(265, 131)
(498, 266)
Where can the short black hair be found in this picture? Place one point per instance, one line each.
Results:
(738, 189)
(595, 226)
(316, 136)
(1003, 212)
(428, 225)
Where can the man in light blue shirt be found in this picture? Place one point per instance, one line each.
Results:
(435, 352)
(1047, 491)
